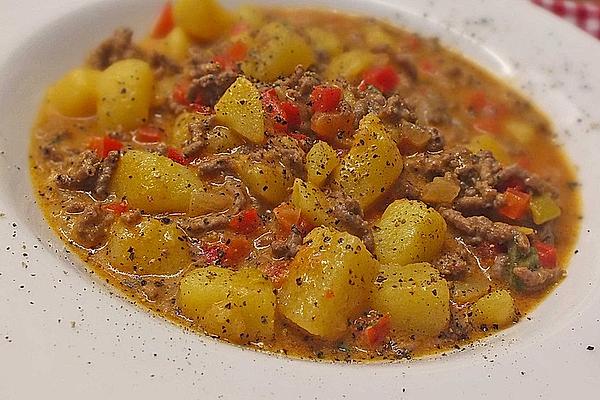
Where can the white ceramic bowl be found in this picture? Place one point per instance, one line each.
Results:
(64, 334)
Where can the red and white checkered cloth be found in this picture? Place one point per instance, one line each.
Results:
(584, 14)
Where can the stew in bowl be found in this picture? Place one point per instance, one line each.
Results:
(311, 183)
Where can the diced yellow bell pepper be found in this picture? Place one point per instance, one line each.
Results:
(525, 230)
(544, 209)
(519, 130)
(487, 142)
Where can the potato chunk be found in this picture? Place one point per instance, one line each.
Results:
(221, 139)
(377, 37)
(372, 165)
(201, 288)
(320, 161)
(175, 45)
(210, 198)
(218, 140)
(324, 42)
(238, 306)
(202, 19)
(328, 283)
(240, 109)
(154, 183)
(179, 134)
(349, 65)
(125, 91)
(148, 248)
(493, 311)
(416, 298)
(74, 95)
(469, 291)
(409, 231)
(267, 180)
(277, 51)
(312, 203)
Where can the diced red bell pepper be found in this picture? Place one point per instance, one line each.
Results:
(180, 96)
(487, 252)
(180, 92)
(305, 226)
(516, 204)
(546, 254)
(362, 86)
(246, 221)
(298, 136)
(177, 156)
(104, 145)
(272, 106)
(96, 143)
(285, 114)
(428, 66)
(488, 124)
(384, 78)
(277, 272)
(164, 23)
(240, 27)
(286, 216)
(238, 51)
(291, 114)
(480, 104)
(524, 162)
(148, 134)
(111, 144)
(231, 253)
(222, 60)
(376, 334)
(270, 99)
(325, 98)
(199, 108)
(234, 54)
(117, 208)
(214, 252)
(477, 101)
(236, 249)
(414, 43)
(328, 125)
